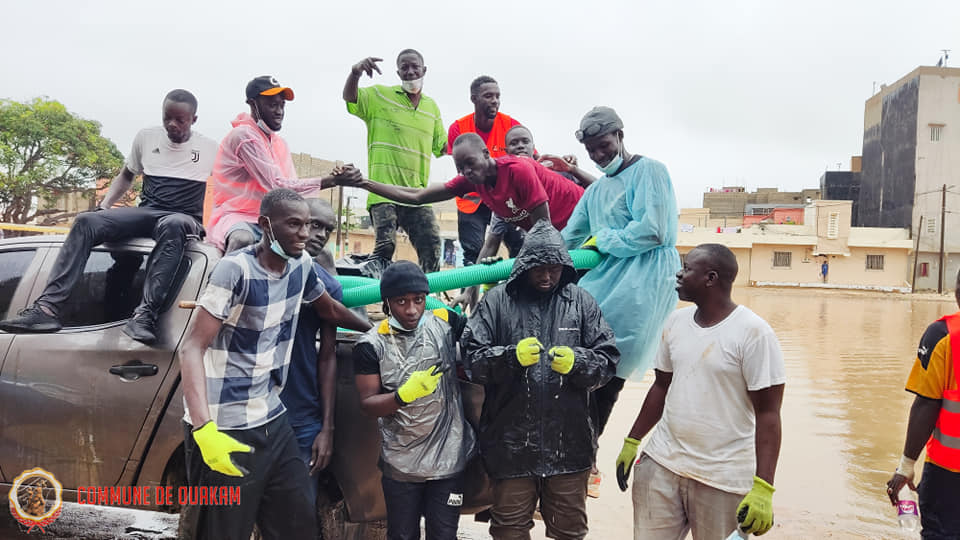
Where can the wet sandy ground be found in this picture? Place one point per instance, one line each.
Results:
(844, 417)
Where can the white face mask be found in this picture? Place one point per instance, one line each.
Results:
(412, 87)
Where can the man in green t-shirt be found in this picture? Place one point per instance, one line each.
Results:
(403, 129)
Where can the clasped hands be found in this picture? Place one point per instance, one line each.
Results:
(529, 350)
(345, 174)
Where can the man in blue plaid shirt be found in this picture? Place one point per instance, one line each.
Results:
(234, 364)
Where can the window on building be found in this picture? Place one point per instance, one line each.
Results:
(931, 225)
(13, 264)
(936, 130)
(781, 259)
(833, 225)
(874, 262)
(924, 269)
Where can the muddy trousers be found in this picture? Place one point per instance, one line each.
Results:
(419, 222)
(273, 493)
(170, 230)
(437, 501)
(563, 505)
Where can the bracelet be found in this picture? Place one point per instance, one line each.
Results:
(906, 467)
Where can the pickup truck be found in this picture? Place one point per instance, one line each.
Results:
(96, 408)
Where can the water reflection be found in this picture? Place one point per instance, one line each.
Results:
(845, 410)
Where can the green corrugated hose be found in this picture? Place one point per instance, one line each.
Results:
(360, 291)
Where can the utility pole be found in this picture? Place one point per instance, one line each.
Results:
(916, 256)
(943, 215)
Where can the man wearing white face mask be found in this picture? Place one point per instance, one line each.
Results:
(253, 159)
(403, 129)
(630, 216)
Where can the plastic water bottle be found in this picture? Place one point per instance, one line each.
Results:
(907, 513)
(737, 534)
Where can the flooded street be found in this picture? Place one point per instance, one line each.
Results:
(844, 414)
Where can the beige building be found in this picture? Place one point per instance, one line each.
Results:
(792, 255)
(731, 202)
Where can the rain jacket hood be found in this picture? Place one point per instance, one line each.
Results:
(543, 245)
(535, 421)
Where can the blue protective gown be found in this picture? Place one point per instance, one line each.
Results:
(634, 217)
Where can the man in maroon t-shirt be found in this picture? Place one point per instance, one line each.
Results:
(518, 189)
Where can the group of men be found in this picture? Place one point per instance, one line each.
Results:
(551, 348)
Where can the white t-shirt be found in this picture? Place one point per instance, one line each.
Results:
(174, 174)
(708, 425)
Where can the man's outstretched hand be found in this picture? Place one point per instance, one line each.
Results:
(367, 65)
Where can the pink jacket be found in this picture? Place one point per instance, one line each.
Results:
(249, 164)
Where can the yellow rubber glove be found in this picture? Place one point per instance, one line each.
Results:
(625, 461)
(420, 384)
(561, 359)
(528, 351)
(591, 243)
(216, 447)
(755, 511)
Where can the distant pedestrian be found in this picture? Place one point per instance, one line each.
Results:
(715, 404)
(935, 420)
(824, 269)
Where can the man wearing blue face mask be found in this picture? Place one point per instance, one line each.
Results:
(629, 215)
(403, 129)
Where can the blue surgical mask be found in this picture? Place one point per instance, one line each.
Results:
(611, 168)
(275, 246)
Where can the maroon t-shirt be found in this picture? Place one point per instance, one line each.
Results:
(522, 185)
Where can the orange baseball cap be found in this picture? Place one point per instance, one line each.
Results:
(267, 85)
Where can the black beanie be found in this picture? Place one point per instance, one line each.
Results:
(403, 277)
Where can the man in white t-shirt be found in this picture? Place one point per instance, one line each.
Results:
(175, 162)
(716, 406)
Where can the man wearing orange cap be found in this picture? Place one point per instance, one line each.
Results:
(252, 160)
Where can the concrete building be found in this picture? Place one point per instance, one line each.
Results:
(844, 186)
(731, 202)
(791, 255)
(911, 149)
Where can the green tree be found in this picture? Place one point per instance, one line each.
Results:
(45, 152)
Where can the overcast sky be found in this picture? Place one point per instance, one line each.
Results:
(753, 93)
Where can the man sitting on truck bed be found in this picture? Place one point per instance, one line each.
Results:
(175, 163)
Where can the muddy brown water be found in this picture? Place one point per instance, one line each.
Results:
(847, 355)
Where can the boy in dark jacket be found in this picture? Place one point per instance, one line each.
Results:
(540, 346)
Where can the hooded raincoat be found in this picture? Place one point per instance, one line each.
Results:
(634, 217)
(430, 438)
(535, 421)
(249, 164)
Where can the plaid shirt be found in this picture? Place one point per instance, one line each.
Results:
(246, 364)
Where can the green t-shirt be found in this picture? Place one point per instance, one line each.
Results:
(400, 138)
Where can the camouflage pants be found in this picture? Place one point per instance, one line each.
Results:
(420, 224)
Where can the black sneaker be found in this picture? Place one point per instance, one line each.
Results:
(31, 320)
(143, 328)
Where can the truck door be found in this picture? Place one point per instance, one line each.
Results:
(74, 402)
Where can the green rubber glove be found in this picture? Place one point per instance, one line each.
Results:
(591, 243)
(628, 455)
(528, 351)
(420, 384)
(561, 359)
(216, 447)
(758, 507)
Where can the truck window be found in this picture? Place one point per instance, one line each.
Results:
(108, 291)
(13, 264)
